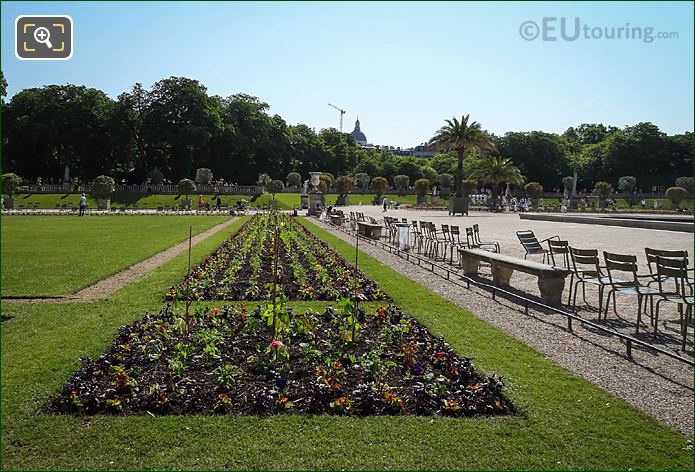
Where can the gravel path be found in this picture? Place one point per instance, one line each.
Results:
(660, 386)
(110, 285)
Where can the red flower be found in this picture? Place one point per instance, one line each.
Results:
(275, 343)
(440, 355)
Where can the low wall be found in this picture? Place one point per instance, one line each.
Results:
(677, 224)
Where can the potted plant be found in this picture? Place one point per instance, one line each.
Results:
(461, 137)
(273, 187)
(533, 190)
(379, 185)
(422, 187)
(401, 182)
(344, 185)
(603, 191)
(10, 184)
(102, 188)
(186, 187)
(676, 194)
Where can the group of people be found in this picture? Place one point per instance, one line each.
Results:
(203, 204)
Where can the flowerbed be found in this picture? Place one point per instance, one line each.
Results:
(242, 267)
(271, 361)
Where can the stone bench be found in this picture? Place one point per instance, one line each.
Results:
(337, 220)
(551, 280)
(370, 230)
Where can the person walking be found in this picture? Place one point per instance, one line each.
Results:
(83, 204)
(385, 203)
(218, 203)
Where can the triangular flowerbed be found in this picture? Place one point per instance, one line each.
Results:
(228, 361)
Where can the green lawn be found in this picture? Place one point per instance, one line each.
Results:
(564, 423)
(49, 255)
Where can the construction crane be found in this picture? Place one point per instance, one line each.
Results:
(342, 112)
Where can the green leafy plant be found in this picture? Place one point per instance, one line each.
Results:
(379, 185)
(186, 187)
(103, 186)
(676, 194)
(203, 176)
(10, 184)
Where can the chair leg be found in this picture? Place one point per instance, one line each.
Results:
(684, 324)
(569, 297)
(584, 293)
(615, 310)
(639, 310)
(600, 299)
(656, 317)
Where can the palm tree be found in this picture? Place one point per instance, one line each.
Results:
(495, 170)
(461, 136)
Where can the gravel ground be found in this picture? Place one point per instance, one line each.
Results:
(110, 285)
(658, 385)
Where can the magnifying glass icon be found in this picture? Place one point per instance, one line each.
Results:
(42, 35)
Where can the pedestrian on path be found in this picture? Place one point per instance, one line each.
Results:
(83, 204)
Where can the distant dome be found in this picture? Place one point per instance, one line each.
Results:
(357, 134)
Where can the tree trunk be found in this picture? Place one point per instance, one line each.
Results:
(459, 175)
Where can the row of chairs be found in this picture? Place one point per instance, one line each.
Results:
(437, 244)
(667, 269)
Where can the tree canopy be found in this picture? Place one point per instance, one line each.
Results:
(176, 126)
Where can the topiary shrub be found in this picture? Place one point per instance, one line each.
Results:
(203, 176)
(362, 180)
(401, 182)
(379, 185)
(273, 187)
(186, 187)
(344, 185)
(422, 187)
(10, 184)
(102, 188)
(676, 195)
(294, 179)
(533, 190)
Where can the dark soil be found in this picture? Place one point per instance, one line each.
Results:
(221, 361)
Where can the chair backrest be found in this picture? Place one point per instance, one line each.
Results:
(585, 262)
(529, 241)
(455, 233)
(652, 254)
(470, 238)
(445, 232)
(625, 263)
(476, 233)
(675, 269)
(404, 220)
(561, 249)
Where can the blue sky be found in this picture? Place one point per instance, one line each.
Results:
(403, 67)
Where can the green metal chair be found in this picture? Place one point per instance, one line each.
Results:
(531, 244)
(674, 287)
(630, 285)
(587, 270)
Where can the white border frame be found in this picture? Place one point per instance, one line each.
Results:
(72, 41)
